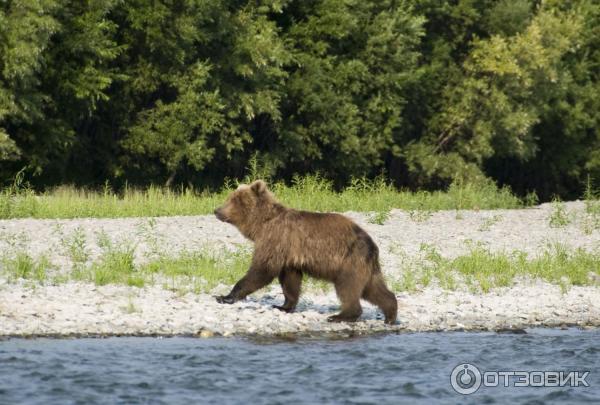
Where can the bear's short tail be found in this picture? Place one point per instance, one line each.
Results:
(377, 293)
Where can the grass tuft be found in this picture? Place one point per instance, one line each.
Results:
(591, 218)
(489, 222)
(22, 266)
(559, 217)
(379, 217)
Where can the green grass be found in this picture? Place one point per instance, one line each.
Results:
(591, 218)
(74, 246)
(559, 217)
(419, 215)
(379, 217)
(314, 193)
(309, 192)
(69, 202)
(201, 271)
(189, 271)
(482, 270)
(116, 263)
(488, 222)
(21, 265)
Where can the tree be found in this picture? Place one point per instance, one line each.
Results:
(54, 72)
(509, 82)
(345, 95)
(201, 81)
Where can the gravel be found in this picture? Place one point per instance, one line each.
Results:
(78, 309)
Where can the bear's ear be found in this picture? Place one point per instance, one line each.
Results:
(259, 187)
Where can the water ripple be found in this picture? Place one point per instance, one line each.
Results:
(411, 368)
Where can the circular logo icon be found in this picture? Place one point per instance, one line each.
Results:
(465, 378)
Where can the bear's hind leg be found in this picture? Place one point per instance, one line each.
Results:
(349, 289)
(291, 281)
(377, 293)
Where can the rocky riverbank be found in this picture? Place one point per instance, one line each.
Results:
(76, 309)
(82, 309)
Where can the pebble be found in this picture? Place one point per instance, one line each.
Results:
(205, 333)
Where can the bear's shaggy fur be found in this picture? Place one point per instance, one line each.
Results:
(290, 243)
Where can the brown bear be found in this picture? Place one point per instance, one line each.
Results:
(289, 243)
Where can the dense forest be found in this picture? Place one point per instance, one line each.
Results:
(189, 91)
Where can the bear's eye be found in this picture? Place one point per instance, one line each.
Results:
(238, 200)
(244, 201)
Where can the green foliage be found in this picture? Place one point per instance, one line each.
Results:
(308, 192)
(351, 63)
(489, 222)
(54, 72)
(591, 219)
(482, 270)
(200, 271)
(22, 266)
(559, 216)
(509, 17)
(507, 84)
(17, 200)
(16, 263)
(188, 92)
(8, 147)
(379, 217)
(419, 215)
(116, 264)
(205, 79)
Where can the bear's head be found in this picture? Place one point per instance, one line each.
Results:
(248, 207)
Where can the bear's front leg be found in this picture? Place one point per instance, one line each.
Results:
(255, 279)
(225, 299)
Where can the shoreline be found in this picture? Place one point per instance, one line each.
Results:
(293, 336)
(84, 310)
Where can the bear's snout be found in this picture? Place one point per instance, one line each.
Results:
(219, 215)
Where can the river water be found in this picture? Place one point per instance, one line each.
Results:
(385, 369)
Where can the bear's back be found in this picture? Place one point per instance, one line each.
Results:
(308, 239)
